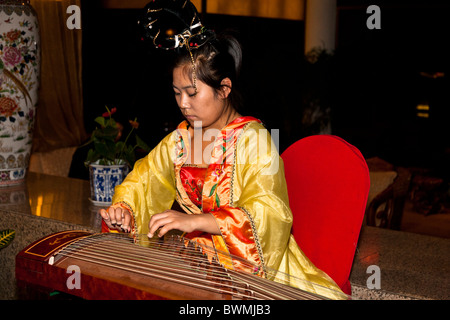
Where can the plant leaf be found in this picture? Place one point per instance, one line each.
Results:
(141, 144)
(100, 121)
(91, 157)
(6, 236)
(108, 133)
(120, 147)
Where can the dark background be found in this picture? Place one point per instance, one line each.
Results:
(371, 85)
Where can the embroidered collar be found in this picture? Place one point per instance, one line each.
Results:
(238, 121)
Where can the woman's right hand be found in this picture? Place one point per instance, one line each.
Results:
(117, 218)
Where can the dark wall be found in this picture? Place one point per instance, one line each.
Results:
(384, 74)
(121, 71)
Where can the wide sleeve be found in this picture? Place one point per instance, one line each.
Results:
(260, 190)
(150, 187)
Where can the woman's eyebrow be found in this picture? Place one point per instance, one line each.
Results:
(183, 88)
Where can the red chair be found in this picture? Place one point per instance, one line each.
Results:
(328, 185)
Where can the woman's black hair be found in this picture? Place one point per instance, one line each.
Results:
(215, 60)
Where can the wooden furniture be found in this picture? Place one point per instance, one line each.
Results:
(385, 207)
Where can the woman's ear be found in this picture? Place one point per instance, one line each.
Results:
(225, 89)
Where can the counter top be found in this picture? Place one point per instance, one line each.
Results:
(412, 266)
(57, 198)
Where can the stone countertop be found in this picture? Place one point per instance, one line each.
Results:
(411, 266)
(43, 205)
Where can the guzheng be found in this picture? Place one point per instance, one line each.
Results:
(118, 266)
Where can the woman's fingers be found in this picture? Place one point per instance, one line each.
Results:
(126, 221)
(156, 221)
(105, 216)
(112, 215)
(166, 228)
(117, 218)
(170, 220)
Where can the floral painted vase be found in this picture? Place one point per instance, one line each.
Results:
(103, 179)
(19, 83)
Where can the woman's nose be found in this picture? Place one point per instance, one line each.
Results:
(183, 103)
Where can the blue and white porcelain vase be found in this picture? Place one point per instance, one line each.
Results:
(103, 179)
(19, 83)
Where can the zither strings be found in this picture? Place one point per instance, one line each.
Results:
(178, 260)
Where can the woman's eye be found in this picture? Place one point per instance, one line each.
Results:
(190, 95)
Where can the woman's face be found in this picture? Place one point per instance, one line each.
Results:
(206, 108)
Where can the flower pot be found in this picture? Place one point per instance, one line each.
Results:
(103, 179)
(19, 82)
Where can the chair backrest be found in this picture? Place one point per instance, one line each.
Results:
(328, 185)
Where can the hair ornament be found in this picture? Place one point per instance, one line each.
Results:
(174, 24)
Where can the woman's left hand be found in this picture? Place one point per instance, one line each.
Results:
(171, 219)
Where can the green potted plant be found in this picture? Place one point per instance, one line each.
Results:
(111, 157)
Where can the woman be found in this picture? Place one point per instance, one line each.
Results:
(224, 172)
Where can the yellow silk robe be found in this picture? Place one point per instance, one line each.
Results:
(244, 189)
